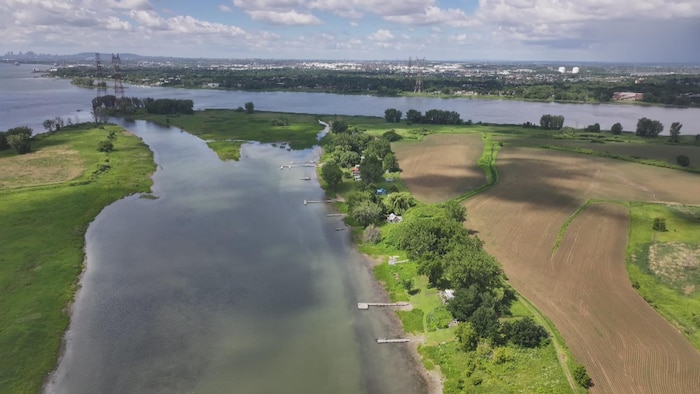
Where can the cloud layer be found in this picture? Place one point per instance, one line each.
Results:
(594, 30)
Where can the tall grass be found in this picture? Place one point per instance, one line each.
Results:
(43, 234)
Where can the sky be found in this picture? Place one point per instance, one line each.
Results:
(653, 31)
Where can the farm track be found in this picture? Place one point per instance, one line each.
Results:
(584, 288)
(451, 159)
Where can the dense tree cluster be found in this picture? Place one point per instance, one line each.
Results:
(392, 115)
(552, 122)
(433, 116)
(169, 106)
(649, 128)
(450, 257)
(683, 90)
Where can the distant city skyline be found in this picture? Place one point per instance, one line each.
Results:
(650, 31)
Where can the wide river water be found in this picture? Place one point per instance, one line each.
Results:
(27, 99)
(227, 283)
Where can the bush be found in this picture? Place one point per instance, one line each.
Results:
(3, 141)
(581, 376)
(105, 146)
(467, 336)
(524, 332)
(21, 143)
(659, 224)
(392, 136)
(683, 160)
(438, 319)
(372, 235)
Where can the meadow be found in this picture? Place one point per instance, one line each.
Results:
(48, 198)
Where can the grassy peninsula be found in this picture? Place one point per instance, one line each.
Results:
(48, 197)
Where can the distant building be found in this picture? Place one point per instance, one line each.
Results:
(628, 96)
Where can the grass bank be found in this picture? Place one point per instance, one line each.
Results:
(226, 130)
(664, 266)
(43, 234)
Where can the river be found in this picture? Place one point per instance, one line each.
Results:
(227, 283)
(26, 99)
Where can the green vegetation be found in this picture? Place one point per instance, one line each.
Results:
(663, 265)
(225, 130)
(674, 89)
(43, 226)
(436, 252)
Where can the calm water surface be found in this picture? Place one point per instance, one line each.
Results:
(226, 283)
(27, 100)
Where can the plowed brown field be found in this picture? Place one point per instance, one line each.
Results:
(584, 288)
(442, 166)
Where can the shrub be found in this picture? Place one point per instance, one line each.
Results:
(581, 376)
(372, 234)
(3, 141)
(437, 319)
(524, 332)
(21, 143)
(105, 146)
(659, 224)
(502, 355)
(683, 160)
(467, 336)
(392, 136)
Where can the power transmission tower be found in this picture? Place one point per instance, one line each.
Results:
(419, 76)
(118, 87)
(100, 85)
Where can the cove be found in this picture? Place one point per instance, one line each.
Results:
(227, 283)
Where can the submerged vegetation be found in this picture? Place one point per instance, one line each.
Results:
(47, 199)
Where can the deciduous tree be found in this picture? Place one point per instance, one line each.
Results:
(616, 129)
(675, 131)
(371, 169)
(467, 336)
(249, 107)
(392, 115)
(366, 213)
(649, 128)
(399, 203)
(331, 174)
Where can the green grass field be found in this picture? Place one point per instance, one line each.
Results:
(43, 234)
(668, 279)
(224, 130)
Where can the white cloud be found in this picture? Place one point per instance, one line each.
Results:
(434, 16)
(225, 8)
(284, 18)
(381, 35)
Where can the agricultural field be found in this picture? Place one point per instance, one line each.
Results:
(452, 163)
(657, 150)
(520, 219)
(576, 275)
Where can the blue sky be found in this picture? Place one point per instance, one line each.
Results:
(562, 30)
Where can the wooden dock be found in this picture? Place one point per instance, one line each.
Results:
(333, 215)
(317, 201)
(366, 305)
(283, 166)
(393, 340)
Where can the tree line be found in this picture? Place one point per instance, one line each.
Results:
(681, 90)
